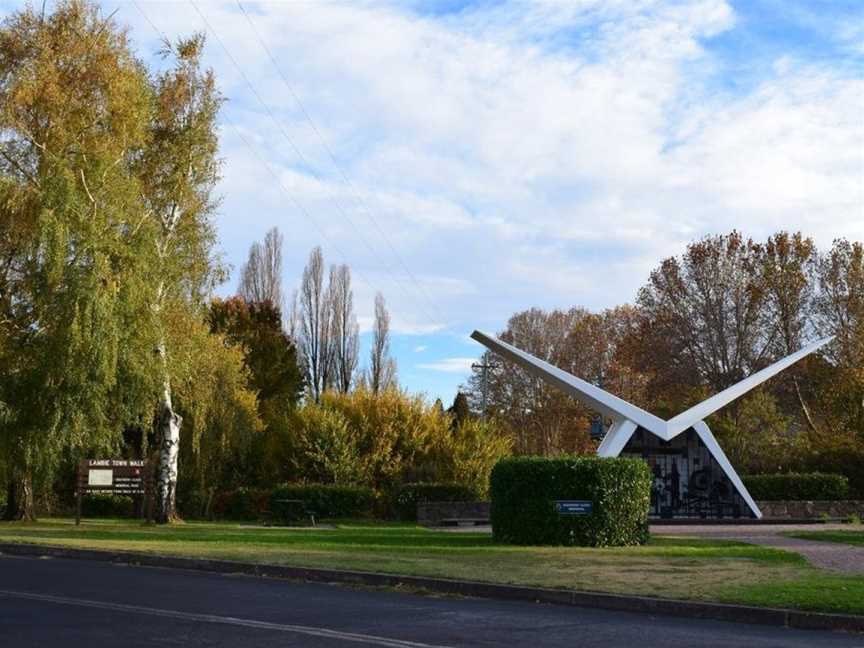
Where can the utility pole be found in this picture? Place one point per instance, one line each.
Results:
(484, 367)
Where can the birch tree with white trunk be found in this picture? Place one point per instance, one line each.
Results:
(178, 172)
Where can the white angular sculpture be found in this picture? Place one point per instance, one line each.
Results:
(627, 418)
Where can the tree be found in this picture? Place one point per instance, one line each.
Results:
(384, 439)
(460, 410)
(315, 326)
(839, 311)
(543, 420)
(74, 110)
(211, 391)
(471, 450)
(382, 368)
(261, 275)
(703, 318)
(269, 354)
(178, 171)
(787, 275)
(346, 336)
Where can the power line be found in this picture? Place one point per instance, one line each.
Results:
(357, 196)
(299, 153)
(269, 167)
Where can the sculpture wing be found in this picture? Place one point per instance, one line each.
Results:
(591, 395)
(704, 409)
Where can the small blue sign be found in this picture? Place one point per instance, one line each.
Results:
(574, 507)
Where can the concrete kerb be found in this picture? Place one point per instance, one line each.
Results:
(643, 604)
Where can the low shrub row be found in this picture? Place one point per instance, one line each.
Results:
(241, 504)
(525, 490)
(403, 503)
(329, 501)
(321, 500)
(107, 505)
(845, 459)
(797, 486)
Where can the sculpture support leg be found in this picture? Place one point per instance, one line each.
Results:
(716, 451)
(616, 438)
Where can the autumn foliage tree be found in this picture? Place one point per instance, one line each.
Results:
(75, 110)
(106, 174)
(704, 320)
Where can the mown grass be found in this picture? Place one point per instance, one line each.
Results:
(678, 567)
(816, 591)
(843, 537)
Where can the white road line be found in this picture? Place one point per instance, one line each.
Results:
(226, 620)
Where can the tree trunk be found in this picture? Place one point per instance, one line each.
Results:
(19, 500)
(169, 445)
(806, 410)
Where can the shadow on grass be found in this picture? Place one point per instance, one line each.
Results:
(351, 537)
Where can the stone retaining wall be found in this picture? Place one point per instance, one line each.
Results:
(431, 513)
(794, 510)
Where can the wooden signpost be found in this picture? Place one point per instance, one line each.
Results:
(133, 477)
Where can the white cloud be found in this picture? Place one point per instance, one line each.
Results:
(450, 365)
(523, 153)
(420, 348)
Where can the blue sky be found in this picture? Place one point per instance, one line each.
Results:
(519, 154)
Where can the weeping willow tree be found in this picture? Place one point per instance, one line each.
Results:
(74, 107)
(221, 424)
(106, 176)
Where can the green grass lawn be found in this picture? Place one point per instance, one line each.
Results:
(845, 537)
(667, 566)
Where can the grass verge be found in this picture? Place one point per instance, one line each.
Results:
(844, 537)
(673, 567)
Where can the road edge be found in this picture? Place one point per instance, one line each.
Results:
(781, 617)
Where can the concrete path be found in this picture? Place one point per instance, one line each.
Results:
(63, 603)
(847, 559)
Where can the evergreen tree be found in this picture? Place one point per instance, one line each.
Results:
(269, 354)
(460, 410)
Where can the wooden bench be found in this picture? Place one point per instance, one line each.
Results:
(458, 522)
(291, 505)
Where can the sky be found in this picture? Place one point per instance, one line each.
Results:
(473, 159)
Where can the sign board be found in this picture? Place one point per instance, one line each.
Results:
(130, 477)
(100, 477)
(120, 476)
(574, 507)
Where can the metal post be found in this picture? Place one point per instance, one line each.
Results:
(78, 494)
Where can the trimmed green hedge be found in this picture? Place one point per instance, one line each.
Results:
(404, 499)
(797, 486)
(323, 500)
(524, 491)
(241, 504)
(107, 505)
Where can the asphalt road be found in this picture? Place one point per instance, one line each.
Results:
(67, 603)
